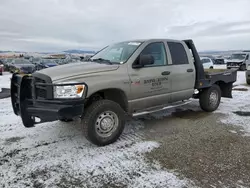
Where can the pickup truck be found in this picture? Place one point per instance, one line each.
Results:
(239, 60)
(129, 78)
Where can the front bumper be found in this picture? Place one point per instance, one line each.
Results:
(234, 65)
(28, 103)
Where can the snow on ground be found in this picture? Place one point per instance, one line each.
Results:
(4, 80)
(239, 103)
(56, 154)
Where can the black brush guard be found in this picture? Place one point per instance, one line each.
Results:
(29, 105)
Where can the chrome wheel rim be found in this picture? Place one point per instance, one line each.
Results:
(213, 98)
(106, 123)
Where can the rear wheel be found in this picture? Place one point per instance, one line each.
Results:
(211, 67)
(210, 98)
(103, 122)
(248, 82)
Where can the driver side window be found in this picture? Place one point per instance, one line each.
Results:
(158, 52)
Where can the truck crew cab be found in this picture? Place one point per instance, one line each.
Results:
(126, 78)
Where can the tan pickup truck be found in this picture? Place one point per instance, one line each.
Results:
(126, 78)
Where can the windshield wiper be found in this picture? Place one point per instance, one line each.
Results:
(102, 60)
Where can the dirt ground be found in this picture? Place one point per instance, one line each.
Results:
(178, 148)
(197, 146)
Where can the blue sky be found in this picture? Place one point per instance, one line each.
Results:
(55, 25)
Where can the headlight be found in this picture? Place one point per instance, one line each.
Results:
(69, 91)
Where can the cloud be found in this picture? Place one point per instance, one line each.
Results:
(51, 25)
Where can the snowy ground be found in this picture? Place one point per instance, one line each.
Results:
(4, 80)
(57, 155)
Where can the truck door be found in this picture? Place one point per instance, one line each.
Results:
(182, 71)
(150, 85)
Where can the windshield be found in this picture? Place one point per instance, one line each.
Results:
(238, 56)
(36, 59)
(21, 61)
(205, 60)
(117, 53)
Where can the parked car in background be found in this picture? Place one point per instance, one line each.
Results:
(7, 63)
(219, 61)
(239, 61)
(21, 65)
(207, 63)
(46, 63)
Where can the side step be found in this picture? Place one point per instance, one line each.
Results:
(173, 105)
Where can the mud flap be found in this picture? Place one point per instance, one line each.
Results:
(20, 91)
(226, 90)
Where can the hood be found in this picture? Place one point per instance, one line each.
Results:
(75, 69)
(24, 65)
(235, 60)
(50, 65)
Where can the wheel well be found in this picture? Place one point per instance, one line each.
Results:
(115, 95)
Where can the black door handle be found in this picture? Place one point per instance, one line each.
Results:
(165, 73)
(190, 70)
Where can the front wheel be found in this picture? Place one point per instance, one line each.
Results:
(248, 82)
(243, 67)
(103, 122)
(210, 98)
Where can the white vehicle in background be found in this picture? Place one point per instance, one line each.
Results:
(207, 63)
(239, 60)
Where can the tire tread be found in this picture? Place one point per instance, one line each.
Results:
(89, 115)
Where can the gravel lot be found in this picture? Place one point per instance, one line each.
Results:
(184, 147)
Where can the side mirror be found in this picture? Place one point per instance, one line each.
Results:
(144, 60)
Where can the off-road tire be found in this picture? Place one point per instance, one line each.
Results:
(243, 67)
(89, 121)
(248, 82)
(205, 98)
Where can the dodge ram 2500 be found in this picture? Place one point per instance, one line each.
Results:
(126, 78)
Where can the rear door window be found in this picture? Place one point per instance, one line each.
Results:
(178, 53)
